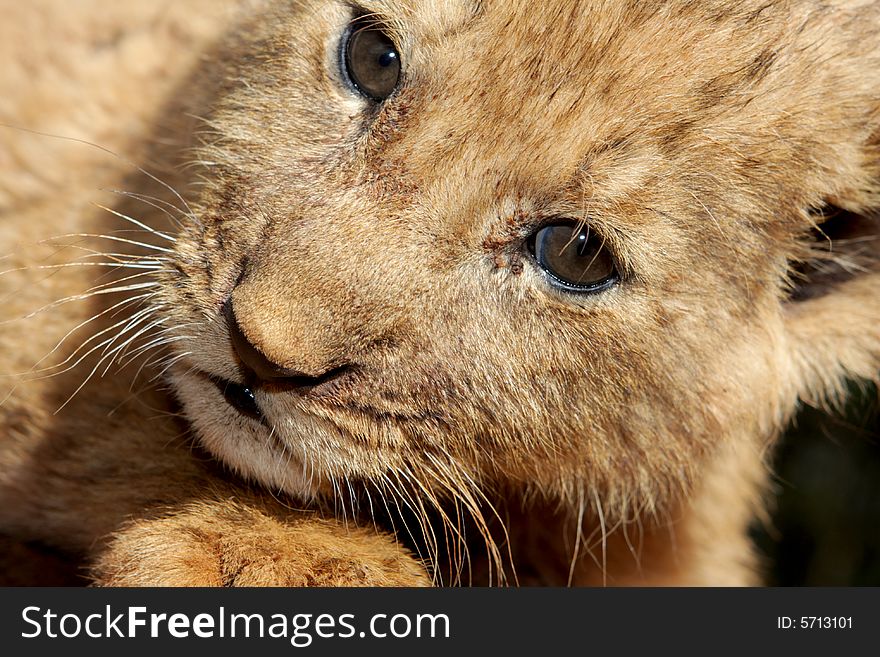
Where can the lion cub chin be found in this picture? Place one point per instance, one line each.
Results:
(397, 294)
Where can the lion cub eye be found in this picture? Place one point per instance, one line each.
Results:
(574, 258)
(372, 61)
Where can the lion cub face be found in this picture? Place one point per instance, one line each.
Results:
(462, 243)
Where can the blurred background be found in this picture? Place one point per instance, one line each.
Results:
(825, 521)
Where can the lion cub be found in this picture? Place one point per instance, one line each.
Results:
(397, 292)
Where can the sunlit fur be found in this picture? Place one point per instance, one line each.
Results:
(611, 438)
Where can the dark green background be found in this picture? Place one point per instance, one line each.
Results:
(825, 526)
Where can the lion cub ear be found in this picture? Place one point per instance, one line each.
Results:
(835, 337)
(832, 314)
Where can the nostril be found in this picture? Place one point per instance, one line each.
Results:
(262, 367)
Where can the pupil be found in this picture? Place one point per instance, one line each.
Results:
(387, 59)
(582, 243)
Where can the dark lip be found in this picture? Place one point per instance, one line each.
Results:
(241, 397)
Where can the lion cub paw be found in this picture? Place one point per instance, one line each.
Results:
(235, 545)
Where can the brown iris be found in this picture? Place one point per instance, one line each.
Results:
(372, 61)
(574, 257)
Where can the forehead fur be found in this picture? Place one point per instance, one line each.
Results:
(554, 88)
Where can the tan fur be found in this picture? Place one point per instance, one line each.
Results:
(616, 438)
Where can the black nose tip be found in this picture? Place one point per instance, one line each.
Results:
(258, 363)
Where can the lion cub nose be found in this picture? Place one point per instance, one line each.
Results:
(259, 365)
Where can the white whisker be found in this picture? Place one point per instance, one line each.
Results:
(114, 238)
(137, 223)
(116, 306)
